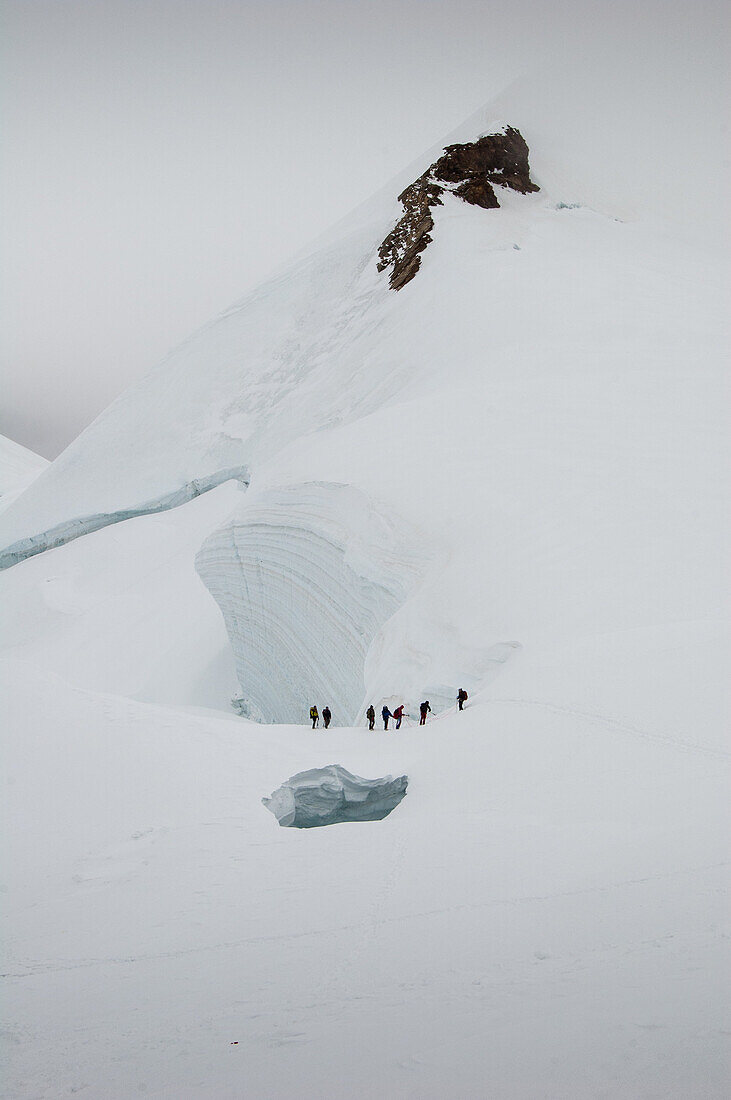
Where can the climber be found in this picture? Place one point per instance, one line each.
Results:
(461, 698)
(385, 715)
(326, 716)
(314, 716)
(371, 716)
(424, 709)
(398, 715)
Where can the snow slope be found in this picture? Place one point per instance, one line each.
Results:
(18, 468)
(123, 609)
(508, 477)
(541, 916)
(544, 425)
(633, 130)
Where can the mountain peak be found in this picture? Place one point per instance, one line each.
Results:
(468, 170)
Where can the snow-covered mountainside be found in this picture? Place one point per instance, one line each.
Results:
(514, 411)
(376, 480)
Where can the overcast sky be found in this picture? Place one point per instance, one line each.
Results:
(161, 157)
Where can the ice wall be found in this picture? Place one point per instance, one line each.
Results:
(305, 579)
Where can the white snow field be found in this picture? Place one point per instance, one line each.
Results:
(508, 476)
(541, 916)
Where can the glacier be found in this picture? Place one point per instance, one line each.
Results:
(524, 442)
(331, 795)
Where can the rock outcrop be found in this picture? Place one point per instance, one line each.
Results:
(470, 171)
(328, 796)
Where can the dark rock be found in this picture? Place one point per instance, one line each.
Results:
(469, 171)
(503, 158)
(410, 236)
(478, 192)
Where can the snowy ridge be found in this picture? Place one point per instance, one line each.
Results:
(291, 358)
(18, 465)
(321, 344)
(75, 528)
(18, 468)
(305, 578)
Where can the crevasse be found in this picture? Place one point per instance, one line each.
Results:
(84, 525)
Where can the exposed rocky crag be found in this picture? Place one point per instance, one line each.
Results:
(469, 171)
